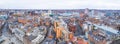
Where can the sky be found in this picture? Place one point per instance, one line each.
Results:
(59, 4)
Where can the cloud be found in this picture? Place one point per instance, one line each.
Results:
(60, 4)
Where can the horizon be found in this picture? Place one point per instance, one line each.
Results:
(60, 4)
(56, 9)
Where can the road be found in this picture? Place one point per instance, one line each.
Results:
(46, 37)
(5, 29)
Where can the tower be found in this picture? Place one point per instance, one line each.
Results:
(86, 11)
